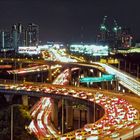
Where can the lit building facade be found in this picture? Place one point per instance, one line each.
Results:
(115, 37)
(126, 38)
(24, 36)
(5, 40)
(32, 35)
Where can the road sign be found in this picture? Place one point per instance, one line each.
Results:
(105, 77)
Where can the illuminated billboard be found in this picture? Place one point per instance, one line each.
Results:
(93, 50)
(28, 50)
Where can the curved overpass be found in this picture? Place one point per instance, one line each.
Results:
(120, 116)
(124, 79)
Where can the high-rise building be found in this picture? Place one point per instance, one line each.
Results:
(21, 35)
(126, 38)
(115, 36)
(103, 35)
(5, 40)
(14, 36)
(32, 35)
(24, 36)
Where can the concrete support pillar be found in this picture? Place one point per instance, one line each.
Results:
(69, 115)
(93, 73)
(125, 65)
(119, 64)
(85, 116)
(90, 116)
(25, 100)
(50, 74)
(69, 77)
(85, 73)
(88, 84)
(8, 97)
(99, 74)
(24, 79)
(99, 112)
(138, 69)
(79, 76)
(117, 85)
(63, 116)
(20, 65)
(108, 85)
(79, 121)
(112, 85)
(129, 69)
(103, 85)
(41, 75)
(96, 114)
(54, 115)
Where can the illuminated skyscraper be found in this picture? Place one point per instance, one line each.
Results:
(32, 35)
(21, 35)
(24, 36)
(14, 36)
(115, 36)
(104, 32)
(126, 38)
(4, 39)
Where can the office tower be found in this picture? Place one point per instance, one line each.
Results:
(104, 33)
(126, 38)
(116, 35)
(14, 37)
(32, 35)
(21, 35)
(4, 40)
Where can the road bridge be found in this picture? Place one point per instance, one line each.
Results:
(102, 98)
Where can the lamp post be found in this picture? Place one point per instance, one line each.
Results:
(62, 116)
(12, 119)
(94, 109)
(12, 122)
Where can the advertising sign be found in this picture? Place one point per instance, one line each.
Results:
(28, 50)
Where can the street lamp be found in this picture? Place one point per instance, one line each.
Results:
(12, 118)
(62, 116)
(94, 109)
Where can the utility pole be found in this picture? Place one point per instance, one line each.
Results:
(12, 120)
(62, 116)
(12, 116)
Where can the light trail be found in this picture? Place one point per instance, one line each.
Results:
(119, 113)
(127, 81)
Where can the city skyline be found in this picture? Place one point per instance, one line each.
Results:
(70, 20)
(69, 69)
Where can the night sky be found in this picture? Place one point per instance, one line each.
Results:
(70, 20)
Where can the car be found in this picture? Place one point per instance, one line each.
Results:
(114, 135)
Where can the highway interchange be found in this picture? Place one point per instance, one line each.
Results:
(120, 115)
